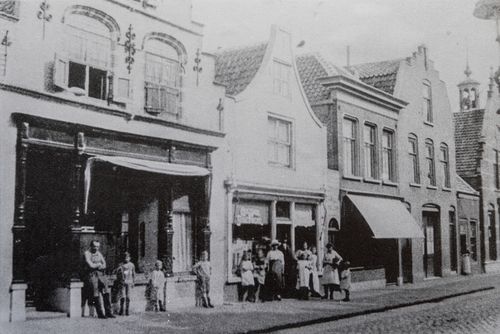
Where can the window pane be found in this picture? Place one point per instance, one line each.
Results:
(348, 128)
(77, 75)
(97, 83)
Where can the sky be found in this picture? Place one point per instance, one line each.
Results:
(375, 30)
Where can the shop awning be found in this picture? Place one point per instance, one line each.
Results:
(387, 218)
(148, 166)
(151, 166)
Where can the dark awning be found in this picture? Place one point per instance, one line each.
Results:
(387, 218)
(150, 166)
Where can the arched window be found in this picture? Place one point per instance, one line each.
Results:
(84, 64)
(413, 155)
(429, 156)
(473, 98)
(444, 159)
(163, 77)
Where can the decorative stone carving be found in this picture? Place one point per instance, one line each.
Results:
(8, 7)
(43, 14)
(129, 48)
(197, 67)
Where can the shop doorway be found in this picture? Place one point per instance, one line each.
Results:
(407, 260)
(283, 232)
(432, 263)
(453, 242)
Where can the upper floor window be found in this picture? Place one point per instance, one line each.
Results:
(162, 79)
(429, 156)
(281, 79)
(413, 154)
(370, 148)
(83, 66)
(279, 141)
(427, 102)
(349, 131)
(388, 160)
(445, 165)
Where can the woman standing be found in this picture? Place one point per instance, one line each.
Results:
(331, 281)
(275, 270)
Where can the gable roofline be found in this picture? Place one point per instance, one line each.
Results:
(463, 187)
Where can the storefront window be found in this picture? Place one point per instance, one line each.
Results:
(473, 240)
(283, 210)
(305, 225)
(182, 243)
(251, 225)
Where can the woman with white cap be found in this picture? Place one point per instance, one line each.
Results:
(275, 270)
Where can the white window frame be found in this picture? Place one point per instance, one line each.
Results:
(388, 156)
(275, 143)
(281, 78)
(444, 159)
(414, 158)
(431, 161)
(427, 101)
(350, 166)
(370, 150)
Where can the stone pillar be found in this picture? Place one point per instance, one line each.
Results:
(18, 301)
(75, 299)
(272, 220)
(319, 231)
(166, 229)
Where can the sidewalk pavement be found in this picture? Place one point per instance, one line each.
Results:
(263, 317)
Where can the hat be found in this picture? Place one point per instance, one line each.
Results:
(275, 242)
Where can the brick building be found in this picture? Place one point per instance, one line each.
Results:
(362, 124)
(477, 141)
(110, 130)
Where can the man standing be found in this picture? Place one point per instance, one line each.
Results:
(97, 281)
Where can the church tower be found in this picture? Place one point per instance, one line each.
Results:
(469, 91)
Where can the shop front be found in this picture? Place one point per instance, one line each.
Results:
(375, 235)
(146, 196)
(258, 215)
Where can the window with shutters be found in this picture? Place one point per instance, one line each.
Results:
(162, 79)
(84, 65)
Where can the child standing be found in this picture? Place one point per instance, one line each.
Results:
(304, 267)
(126, 271)
(247, 280)
(259, 274)
(345, 280)
(156, 287)
(203, 271)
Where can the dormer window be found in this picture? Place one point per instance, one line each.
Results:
(162, 80)
(84, 65)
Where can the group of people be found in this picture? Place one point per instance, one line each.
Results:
(96, 287)
(280, 272)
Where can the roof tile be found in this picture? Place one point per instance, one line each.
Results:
(468, 127)
(381, 75)
(235, 68)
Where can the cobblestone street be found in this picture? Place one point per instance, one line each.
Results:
(451, 305)
(476, 313)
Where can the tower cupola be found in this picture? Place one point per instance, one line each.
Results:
(469, 90)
